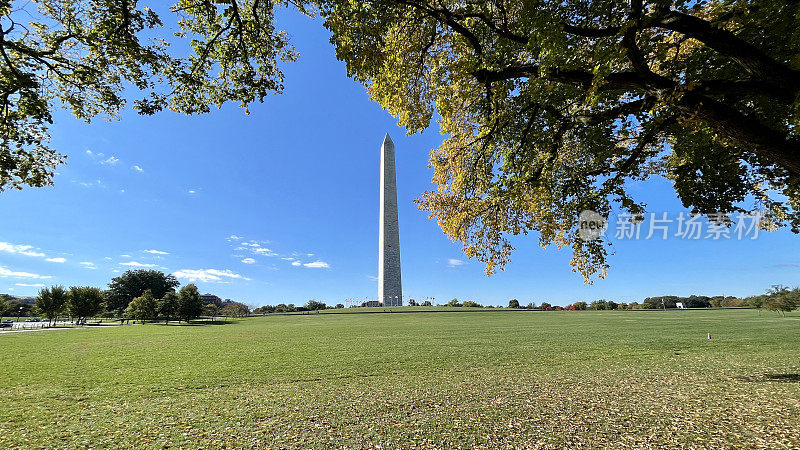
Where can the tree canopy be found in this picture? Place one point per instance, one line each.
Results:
(84, 301)
(133, 283)
(4, 303)
(782, 299)
(190, 304)
(548, 107)
(144, 307)
(51, 301)
(554, 107)
(82, 54)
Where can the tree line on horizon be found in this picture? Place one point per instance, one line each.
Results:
(778, 298)
(144, 295)
(148, 295)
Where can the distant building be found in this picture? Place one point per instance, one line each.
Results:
(371, 304)
(211, 299)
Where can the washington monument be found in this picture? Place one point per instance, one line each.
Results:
(390, 289)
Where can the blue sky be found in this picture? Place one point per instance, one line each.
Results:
(282, 206)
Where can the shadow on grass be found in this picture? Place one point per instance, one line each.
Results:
(199, 323)
(772, 377)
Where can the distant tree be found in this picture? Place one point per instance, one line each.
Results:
(84, 302)
(412, 302)
(190, 305)
(580, 306)
(546, 306)
(266, 309)
(18, 308)
(782, 299)
(133, 283)
(756, 301)
(339, 306)
(531, 305)
(427, 303)
(513, 303)
(471, 304)
(715, 302)
(621, 306)
(598, 305)
(51, 302)
(651, 303)
(235, 309)
(732, 302)
(168, 306)
(313, 305)
(611, 305)
(144, 307)
(211, 310)
(454, 302)
(695, 301)
(3, 305)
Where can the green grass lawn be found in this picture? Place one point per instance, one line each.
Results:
(534, 379)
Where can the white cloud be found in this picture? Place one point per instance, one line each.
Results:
(455, 262)
(193, 192)
(31, 284)
(10, 273)
(288, 258)
(317, 265)
(208, 275)
(125, 256)
(91, 184)
(108, 258)
(88, 265)
(234, 237)
(111, 161)
(372, 277)
(249, 261)
(156, 252)
(296, 263)
(136, 264)
(251, 244)
(137, 168)
(57, 260)
(20, 249)
(263, 251)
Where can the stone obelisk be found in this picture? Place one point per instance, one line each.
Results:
(390, 290)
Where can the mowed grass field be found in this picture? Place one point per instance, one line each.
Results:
(491, 379)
